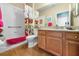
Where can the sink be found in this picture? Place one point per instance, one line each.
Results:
(71, 28)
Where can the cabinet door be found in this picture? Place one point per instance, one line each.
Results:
(41, 41)
(54, 45)
(72, 48)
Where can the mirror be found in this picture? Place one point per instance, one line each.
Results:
(63, 18)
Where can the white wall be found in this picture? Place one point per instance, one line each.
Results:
(20, 5)
(54, 9)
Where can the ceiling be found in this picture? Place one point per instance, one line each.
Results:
(41, 6)
(30, 4)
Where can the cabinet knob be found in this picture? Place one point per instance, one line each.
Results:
(76, 37)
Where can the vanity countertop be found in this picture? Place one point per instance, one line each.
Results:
(53, 29)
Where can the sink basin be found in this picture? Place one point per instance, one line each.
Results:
(71, 28)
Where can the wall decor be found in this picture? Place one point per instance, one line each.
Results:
(41, 21)
(49, 21)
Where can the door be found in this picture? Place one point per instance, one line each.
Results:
(54, 45)
(41, 41)
(72, 48)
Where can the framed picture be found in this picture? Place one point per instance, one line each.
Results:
(41, 21)
(49, 21)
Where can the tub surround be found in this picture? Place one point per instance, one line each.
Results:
(60, 42)
(8, 47)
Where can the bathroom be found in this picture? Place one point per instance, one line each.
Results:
(24, 29)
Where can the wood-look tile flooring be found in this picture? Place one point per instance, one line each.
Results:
(31, 52)
(24, 51)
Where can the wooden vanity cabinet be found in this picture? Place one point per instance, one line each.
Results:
(59, 42)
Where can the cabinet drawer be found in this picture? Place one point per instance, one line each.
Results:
(54, 34)
(41, 32)
(72, 36)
